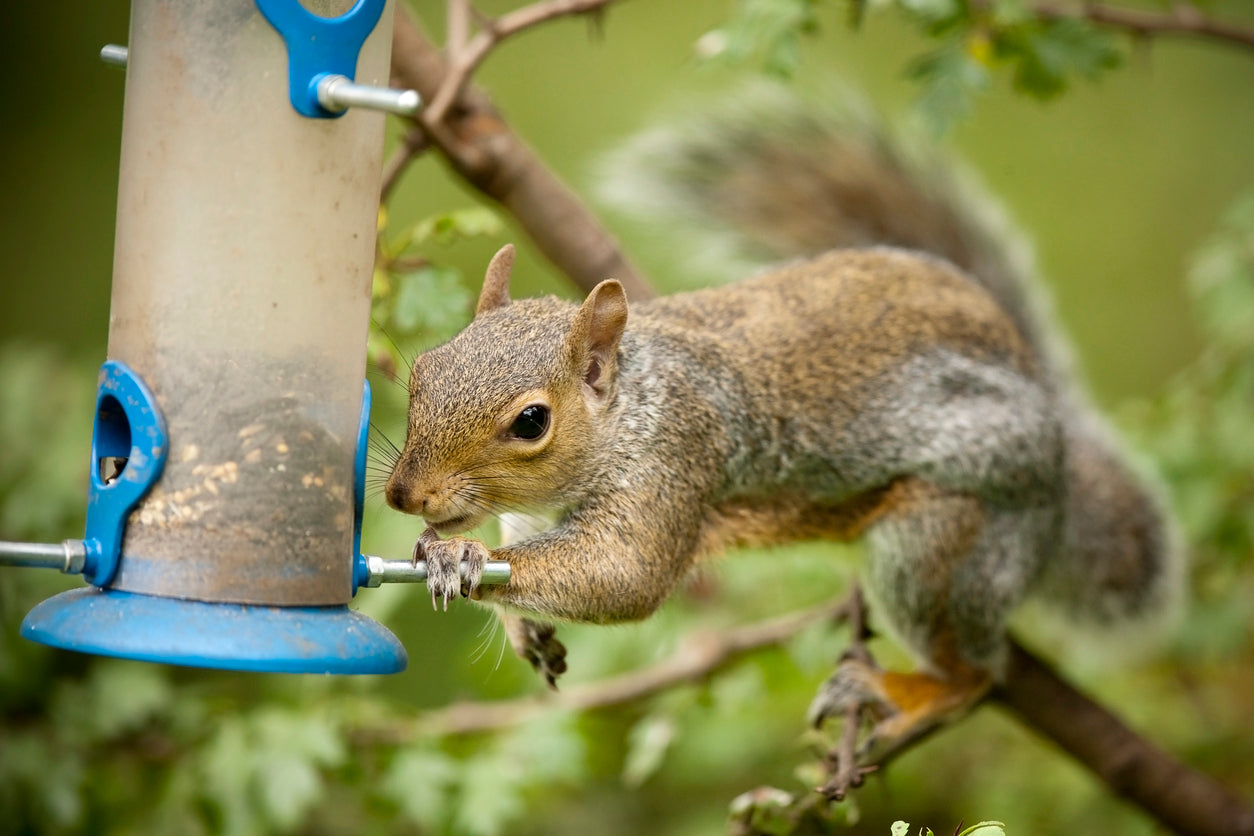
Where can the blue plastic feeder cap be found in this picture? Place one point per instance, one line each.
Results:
(212, 635)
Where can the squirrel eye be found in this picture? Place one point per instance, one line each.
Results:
(530, 423)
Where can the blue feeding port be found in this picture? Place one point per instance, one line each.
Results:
(130, 437)
(320, 47)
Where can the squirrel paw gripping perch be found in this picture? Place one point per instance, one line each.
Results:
(903, 706)
(906, 396)
(445, 579)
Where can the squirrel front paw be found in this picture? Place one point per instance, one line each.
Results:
(445, 559)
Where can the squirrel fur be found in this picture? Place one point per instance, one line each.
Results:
(894, 385)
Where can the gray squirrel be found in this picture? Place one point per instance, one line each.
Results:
(891, 383)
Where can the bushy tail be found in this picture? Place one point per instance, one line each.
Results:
(769, 177)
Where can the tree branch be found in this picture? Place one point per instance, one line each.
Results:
(465, 57)
(699, 657)
(1180, 798)
(1183, 19)
(488, 155)
(412, 144)
(844, 771)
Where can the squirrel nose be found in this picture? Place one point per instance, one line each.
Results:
(401, 497)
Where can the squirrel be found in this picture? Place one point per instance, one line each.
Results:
(892, 383)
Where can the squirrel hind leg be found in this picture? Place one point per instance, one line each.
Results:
(904, 706)
(945, 571)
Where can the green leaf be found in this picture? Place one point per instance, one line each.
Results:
(769, 31)
(451, 227)
(490, 796)
(937, 15)
(647, 744)
(985, 828)
(263, 771)
(303, 733)
(420, 782)
(814, 648)
(950, 78)
(1222, 277)
(1006, 13)
(764, 810)
(46, 414)
(550, 749)
(49, 776)
(1047, 54)
(288, 786)
(226, 767)
(857, 13)
(123, 695)
(431, 300)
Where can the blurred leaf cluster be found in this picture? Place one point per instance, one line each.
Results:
(971, 42)
(417, 298)
(1201, 432)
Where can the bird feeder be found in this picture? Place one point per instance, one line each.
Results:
(224, 513)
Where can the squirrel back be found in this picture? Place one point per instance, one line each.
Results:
(772, 178)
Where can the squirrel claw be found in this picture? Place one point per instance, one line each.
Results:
(444, 566)
(537, 642)
(853, 685)
(904, 707)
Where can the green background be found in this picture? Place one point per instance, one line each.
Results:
(1115, 182)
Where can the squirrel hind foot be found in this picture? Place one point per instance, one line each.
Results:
(537, 642)
(904, 707)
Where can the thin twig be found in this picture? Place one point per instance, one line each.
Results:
(697, 659)
(412, 145)
(465, 57)
(484, 151)
(842, 761)
(1183, 19)
(458, 28)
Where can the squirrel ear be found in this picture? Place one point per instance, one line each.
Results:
(598, 326)
(495, 293)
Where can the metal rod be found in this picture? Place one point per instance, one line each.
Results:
(114, 54)
(337, 93)
(495, 572)
(68, 557)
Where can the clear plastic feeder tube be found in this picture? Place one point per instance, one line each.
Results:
(241, 295)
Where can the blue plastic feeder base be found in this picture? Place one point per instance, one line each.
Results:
(238, 637)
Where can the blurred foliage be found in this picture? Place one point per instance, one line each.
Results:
(103, 746)
(1042, 54)
(416, 299)
(92, 745)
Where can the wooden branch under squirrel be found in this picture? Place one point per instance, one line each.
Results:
(1174, 794)
(1177, 796)
(698, 657)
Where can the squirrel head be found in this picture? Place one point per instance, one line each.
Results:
(505, 416)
